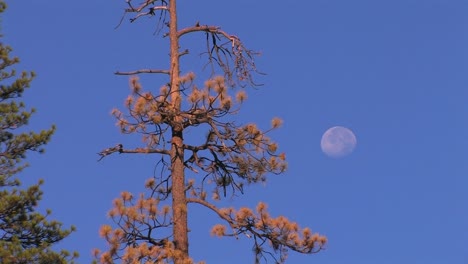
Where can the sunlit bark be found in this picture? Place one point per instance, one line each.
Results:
(153, 227)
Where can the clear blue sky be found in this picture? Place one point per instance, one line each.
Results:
(395, 72)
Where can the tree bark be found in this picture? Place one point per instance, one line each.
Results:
(179, 200)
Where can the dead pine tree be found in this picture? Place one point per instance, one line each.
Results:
(152, 227)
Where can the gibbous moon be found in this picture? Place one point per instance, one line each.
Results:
(338, 142)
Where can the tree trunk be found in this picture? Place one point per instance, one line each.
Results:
(179, 201)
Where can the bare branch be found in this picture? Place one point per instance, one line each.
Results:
(184, 52)
(150, 12)
(142, 71)
(232, 57)
(202, 28)
(213, 208)
(146, 151)
(144, 5)
(119, 148)
(108, 151)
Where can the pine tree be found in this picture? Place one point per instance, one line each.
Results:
(26, 236)
(229, 157)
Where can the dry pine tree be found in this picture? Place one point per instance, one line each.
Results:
(229, 157)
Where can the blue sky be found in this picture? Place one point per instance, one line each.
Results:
(395, 72)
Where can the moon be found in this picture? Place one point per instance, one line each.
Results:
(338, 142)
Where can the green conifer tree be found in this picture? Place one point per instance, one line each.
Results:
(26, 236)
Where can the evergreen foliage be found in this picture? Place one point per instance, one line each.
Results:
(26, 236)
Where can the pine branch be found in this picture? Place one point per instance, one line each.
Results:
(142, 71)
